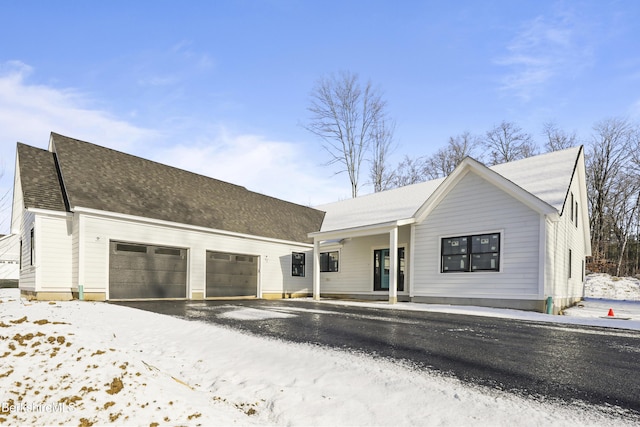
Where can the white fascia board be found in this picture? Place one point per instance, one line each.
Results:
(468, 165)
(50, 212)
(17, 191)
(366, 230)
(581, 173)
(160, 222)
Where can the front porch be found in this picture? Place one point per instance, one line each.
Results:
(367, 263)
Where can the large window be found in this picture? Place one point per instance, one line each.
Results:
(471, 253)
(297, 264)
(329, 261)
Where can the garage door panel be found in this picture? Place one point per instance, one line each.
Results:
(125, 262)
(231, 280)
(166, 264)
(130, 290)
(150, 276)
(138, 271)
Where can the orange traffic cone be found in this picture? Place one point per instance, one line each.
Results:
(610, 314)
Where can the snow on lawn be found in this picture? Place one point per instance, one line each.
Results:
(604, 286)
(84, 363)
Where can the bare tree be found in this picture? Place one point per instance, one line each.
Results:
(346, 115)
(381, 147)
(606, 161)
(623, 208)
(409, 171)
(507, 142)
(445, 160)
(557, 139)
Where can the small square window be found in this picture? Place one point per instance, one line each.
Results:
(329, 261)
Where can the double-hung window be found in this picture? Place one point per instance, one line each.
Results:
(479, 252)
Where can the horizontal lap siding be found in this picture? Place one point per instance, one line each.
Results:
(54, 239)
(27, 271)
(274, 264)
(568, 236)
(475, 206)
(75, 251)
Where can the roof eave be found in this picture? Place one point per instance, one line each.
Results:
(139, 219)
(365, 230)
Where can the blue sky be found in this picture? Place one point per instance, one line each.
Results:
(221, 87)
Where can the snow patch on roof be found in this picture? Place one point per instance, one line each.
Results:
(546, 176)
(377, 208)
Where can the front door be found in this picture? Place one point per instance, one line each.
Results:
(381, 263)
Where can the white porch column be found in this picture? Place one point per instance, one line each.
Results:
(393, 265)
(316, 269)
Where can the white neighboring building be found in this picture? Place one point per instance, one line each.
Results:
(9, 260)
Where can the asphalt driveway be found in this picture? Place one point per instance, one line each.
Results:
(567, 362)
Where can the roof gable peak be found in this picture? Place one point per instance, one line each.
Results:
(471, 165)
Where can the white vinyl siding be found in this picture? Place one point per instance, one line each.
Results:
(274, 274)
(475, 207)
(27, 271)
(54, 249)
(75, 252)
(51, 270)
(561, 283)
(355, 275)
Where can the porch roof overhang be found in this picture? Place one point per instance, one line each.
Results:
(365, 230)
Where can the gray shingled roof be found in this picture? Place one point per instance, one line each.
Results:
(39, 179)
(100, 178)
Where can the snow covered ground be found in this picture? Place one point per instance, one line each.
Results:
(83, 363)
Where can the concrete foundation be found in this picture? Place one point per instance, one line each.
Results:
(46, 296)
(516, 304)
(366, 297)
(285, 295)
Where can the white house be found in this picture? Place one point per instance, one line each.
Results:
(513, 235)
(95, 223)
